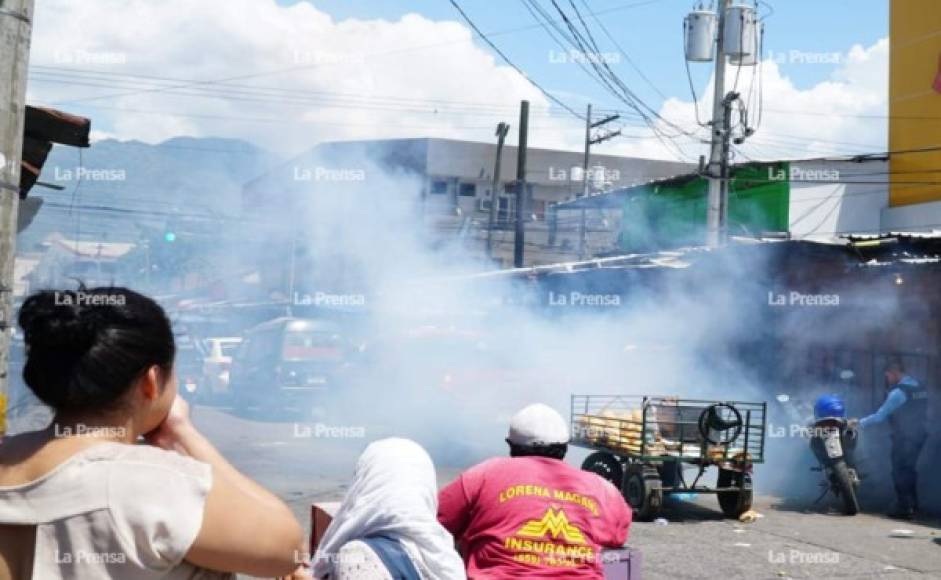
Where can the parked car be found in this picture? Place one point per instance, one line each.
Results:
(288, 364)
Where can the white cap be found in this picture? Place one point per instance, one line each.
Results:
(538, 424)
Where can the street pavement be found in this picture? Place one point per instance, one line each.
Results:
(788, 542)
(793, 539)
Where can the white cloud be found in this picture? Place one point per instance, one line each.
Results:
(340, 80)
(356, 79)
(844, 113)
(95, 136)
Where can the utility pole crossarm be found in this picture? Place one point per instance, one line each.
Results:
(605, 121)
(589, 141)
(605, 137)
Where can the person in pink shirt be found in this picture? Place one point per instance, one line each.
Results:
(531, 515)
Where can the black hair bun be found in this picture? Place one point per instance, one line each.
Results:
(86, 347)
(56, 321)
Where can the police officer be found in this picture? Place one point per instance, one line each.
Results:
(906, 410)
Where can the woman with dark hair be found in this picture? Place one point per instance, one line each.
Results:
(83, 498)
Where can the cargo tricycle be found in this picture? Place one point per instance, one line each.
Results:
(645, 444)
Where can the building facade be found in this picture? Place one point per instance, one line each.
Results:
(914, 116)
(815, 199)
(450, 183)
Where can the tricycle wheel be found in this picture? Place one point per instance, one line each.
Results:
(644, 493)
(606, 465)
(735, 503)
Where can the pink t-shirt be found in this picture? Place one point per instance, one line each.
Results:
(533, 517)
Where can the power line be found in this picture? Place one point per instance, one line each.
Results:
(264, 94)
(624, 87)
(623, 52)
(274, 72)
(536, 11)
(507, 60)
(286, 121)
(243, 96)
(610, 80)
(855, 115)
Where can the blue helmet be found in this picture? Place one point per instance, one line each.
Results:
(829, 407)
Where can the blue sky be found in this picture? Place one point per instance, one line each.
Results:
(326, 70)
(651, 33)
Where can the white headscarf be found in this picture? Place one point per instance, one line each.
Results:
(394, 494)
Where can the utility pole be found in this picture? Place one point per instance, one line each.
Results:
(589, 141)
(15, 29)
(718, 168)
(502, 130)
(519, 240)
(587, 160)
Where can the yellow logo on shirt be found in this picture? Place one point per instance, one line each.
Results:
(555, 524)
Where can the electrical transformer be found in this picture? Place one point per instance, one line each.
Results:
(741, 32)
(701, 26)
(751, 59)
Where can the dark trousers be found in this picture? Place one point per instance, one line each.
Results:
(905, 452)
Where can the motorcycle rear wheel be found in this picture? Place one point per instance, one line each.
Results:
(844, 484)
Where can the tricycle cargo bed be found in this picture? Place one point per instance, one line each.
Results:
(670, 428)
(641, 445)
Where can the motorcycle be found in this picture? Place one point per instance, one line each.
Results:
(833, 442)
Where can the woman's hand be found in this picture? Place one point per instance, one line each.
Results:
(172, 433)
(302, 573)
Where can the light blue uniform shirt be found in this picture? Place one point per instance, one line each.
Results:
(896, 399)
